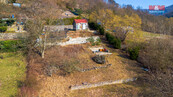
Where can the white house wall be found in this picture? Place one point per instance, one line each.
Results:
(84, 26)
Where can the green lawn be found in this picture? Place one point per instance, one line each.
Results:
(12, 70)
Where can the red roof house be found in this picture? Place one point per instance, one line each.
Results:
(80, 24)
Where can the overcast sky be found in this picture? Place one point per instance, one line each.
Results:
(145, 3)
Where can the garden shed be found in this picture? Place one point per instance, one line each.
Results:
(80, 24)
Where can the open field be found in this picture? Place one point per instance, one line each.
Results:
(11, 72)
(58, 85)
(143, 35)
(140, 37)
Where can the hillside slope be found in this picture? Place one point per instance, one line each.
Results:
(169, 9)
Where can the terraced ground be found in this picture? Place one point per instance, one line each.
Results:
(58, 85)
(122, 68)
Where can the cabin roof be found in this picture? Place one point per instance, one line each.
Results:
(80, 21)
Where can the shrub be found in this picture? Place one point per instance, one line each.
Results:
(111, 39)
(3, 24)
(3, 29)
(94, 26)
(116, 43)
(98, 41)
(107, 35)
(134, 52)
(10, 45)
(91, 40)
(101, 30)
(10, 22)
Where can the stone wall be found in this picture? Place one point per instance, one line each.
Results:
(95, 68)
(55, 28)
(78, 40)
(84, 86)
(8, 36)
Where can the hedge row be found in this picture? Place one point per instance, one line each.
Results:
(7, 22)
(134, 53)
(96, 26)
(3, 29)
(116, 42)
(10, 45)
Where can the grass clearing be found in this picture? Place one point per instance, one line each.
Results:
(140, 36)
(12, 70)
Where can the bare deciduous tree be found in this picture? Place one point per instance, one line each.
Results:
(121, 33)
(157, 54)
(36, 39)
(161, 84)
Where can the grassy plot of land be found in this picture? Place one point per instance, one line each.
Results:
(141, 36)
(12, 70)
(57, 85)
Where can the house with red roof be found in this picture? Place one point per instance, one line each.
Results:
(80, 24)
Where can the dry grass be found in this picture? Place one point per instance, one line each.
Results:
(142, 36)
(57, 55)
(121, 90)
(59, 85)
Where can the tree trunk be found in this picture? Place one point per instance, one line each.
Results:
(42, 54)
(44, 46)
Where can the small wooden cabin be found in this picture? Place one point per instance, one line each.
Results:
(80, 24)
